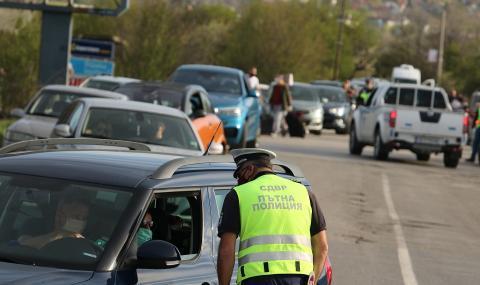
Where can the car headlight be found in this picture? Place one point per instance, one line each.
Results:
(228, 111)
(16, 136)
(338, 111)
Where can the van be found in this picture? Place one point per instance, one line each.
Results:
(406, 73)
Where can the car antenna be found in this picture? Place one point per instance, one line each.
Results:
(213, 137)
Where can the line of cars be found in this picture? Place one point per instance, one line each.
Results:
(317, 106)
(218, 100)
(163, 173)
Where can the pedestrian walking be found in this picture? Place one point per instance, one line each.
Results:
(281, 228)
(280, 104)
(476, 139)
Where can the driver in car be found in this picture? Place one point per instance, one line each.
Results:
(70, 221)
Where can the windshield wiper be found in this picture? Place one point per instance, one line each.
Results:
(43, 114)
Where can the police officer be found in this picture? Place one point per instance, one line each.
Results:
(365, 93)
(281, 228)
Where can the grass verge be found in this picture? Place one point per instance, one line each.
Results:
(4, 123)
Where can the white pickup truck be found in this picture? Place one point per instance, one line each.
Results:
(409, 116)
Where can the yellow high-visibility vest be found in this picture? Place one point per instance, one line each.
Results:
(275, 217)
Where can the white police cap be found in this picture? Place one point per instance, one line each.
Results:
(244, 154)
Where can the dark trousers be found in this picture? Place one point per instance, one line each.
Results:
(278, 279)
(476, 142)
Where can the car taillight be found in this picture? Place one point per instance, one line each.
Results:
(393, 118)
(465, 123)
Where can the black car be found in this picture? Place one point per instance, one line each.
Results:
(337, 108)
(42, 241)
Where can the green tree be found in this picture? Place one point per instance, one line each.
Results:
(19, 58)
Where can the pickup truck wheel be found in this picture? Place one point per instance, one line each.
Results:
(354, 145)
(450, 159)
(423, 156)
(380, 151)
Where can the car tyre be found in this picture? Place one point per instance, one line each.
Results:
(380, 150)
(354, 145)
(424, 156)
(450, 159)
(316, 132)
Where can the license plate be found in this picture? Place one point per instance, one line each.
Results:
(427, 140)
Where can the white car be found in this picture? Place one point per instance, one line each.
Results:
(40, 116)
(109, 83)
(409, 116)
(163, 129)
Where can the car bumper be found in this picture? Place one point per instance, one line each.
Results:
(332, 121)
(422, 143)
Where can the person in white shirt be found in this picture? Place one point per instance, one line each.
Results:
(253, 79)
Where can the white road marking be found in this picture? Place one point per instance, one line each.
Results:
(403, 254)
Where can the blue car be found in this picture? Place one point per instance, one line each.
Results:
(233, 100)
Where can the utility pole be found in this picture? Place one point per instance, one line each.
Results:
(442, 46)
(339, 43)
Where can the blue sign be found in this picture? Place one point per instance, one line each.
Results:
(93, 48)
(86, 67)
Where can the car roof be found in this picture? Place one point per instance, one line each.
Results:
(326, 87)
(85, 91)
(327, 82)
(222, 69)
(409, 85)
(108, 167)
(117, 79)
(132, 106)
(180, 88)
(130, 168)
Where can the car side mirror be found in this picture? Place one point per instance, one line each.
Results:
(216, 148)
(158, 254)
(62, 130)
(17, 113)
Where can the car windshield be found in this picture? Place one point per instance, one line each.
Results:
(331, 95)
(152, 94)
(52, 103)
(212, 81)
(138, 126)
(102, 84)
(57, 223)
(301, 93)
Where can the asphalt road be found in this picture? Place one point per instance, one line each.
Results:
(393, 222)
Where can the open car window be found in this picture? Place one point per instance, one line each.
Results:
(177, 219)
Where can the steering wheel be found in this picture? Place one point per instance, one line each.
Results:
(78, 247)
